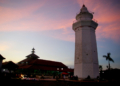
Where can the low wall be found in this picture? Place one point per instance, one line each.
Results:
(49, 77)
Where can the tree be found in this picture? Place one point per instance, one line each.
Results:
(100, 67)
(109, 59)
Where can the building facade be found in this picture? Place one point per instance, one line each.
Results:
(41, 66)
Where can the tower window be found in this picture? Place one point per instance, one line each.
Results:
(3, 69)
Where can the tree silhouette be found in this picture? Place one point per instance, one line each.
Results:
(100, 67)
(109, 59)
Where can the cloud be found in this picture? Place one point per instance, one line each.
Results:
(61, 34)
(39, 24)
(65, 37)
(36, 16)
(112, 31)
(32, 18)
(8, 14)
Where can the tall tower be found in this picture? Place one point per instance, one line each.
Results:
(86, 59)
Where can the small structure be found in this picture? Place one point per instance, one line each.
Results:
(1, 59)
(9, 66)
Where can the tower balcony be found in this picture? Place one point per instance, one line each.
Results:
(84, 19)
(84, 23)
(84, 16)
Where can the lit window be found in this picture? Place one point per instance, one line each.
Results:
(3, 69)
(57, 68)
(61, 68)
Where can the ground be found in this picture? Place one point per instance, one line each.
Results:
(54, 82)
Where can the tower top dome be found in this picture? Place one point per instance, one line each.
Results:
(84, 14)
(84, 9)
(32, 55)
(33, 51)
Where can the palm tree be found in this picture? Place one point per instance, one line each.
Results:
(109, 59)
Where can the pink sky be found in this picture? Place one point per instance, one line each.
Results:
(105, 13)
(54, 18)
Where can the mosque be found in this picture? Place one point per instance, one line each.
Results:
(33, 64)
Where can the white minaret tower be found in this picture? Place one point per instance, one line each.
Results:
(86, 58)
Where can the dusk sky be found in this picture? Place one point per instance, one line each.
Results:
(46, 25)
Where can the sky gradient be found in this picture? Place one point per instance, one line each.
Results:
(46, 25)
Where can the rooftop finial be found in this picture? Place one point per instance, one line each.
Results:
(33, 51)
(83, 5)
